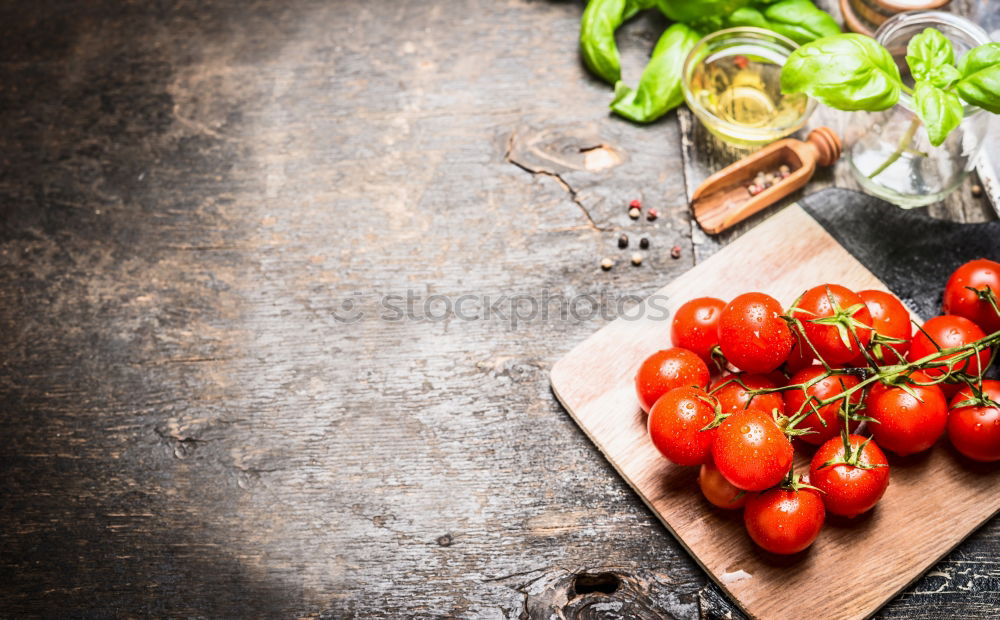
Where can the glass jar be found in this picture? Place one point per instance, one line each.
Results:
(865, 16)
(889, 151)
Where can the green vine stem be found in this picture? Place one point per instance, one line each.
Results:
(905, 145)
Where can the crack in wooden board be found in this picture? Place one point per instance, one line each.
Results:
(934, 500)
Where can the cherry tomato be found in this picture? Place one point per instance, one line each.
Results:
(718, 490)
(889, 318)
(676, 422)
(734, 397)
(949, 331)
(800, 357)
(827, 339)
(828, 423)
(752, 334)
(696, 326)
(784, 521)
(751, 452)
(979, 274)
(974, 430)
(668, 369)
(906, 424)
(848, 489)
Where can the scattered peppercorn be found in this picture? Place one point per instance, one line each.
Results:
(623, 241)
(636, 259)
(633, 213)
(644, 243)
(635, 204)
(652, 214)
(675, 252)
(607, 264)
(977, 190)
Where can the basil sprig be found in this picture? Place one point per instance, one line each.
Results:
(854, 72)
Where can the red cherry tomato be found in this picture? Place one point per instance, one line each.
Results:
(668, 369)
(751, 452)
(696, 326)
(784, 521)
(906, 424)
(949, 331)
(828, 423)
(974, 430)
(800, 357)
(734, 397)
(718, 490)
(849, 490)
(889, 318)
(676, 422)
(818, 303)
(752, 334)
(979, 274)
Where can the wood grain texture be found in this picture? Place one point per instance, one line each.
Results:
(191, 193)
(934, 500)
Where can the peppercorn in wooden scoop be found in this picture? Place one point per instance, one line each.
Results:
(761, 179)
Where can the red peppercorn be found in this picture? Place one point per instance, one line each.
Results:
(652, 214)
(675, 252)
(635, 204)
(741, 62)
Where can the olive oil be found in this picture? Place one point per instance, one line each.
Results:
(746, 92)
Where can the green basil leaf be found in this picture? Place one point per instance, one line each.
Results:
(659, 89)
(800, 21)
(940, 110)
(686, 11)
(926, 53)
(844, 71)
(600, 20)
(980, 82)
(748, 16)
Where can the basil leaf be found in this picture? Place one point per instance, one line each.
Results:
(659, 89)
(980, 82)
(748, 16)
(800, 21)
(600, 20)
(931, 57)
(844, 71)
(686, 11)
(940, 110)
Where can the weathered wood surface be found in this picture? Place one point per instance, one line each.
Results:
(931, 505)
(193, 193)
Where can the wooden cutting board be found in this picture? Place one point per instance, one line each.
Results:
(933, 502)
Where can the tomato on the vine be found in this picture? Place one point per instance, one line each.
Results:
(800, 357)
(959, 300)
(907, 423)
(719, 491)
(828, 423)
(753, 335)
(676, 422)
(949, 331)
(854, 483)
(668, 369)
(696, 326)
(842, 307)
(974, 429)
(890, 318)
(784, 521)
(732, 392)
(751, 452)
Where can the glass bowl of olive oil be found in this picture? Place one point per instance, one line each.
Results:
(732, 83)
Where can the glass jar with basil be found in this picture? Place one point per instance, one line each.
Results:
(923, 89)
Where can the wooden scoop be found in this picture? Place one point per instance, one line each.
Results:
(724, 200)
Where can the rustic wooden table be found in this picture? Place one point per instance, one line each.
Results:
(237, 379)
